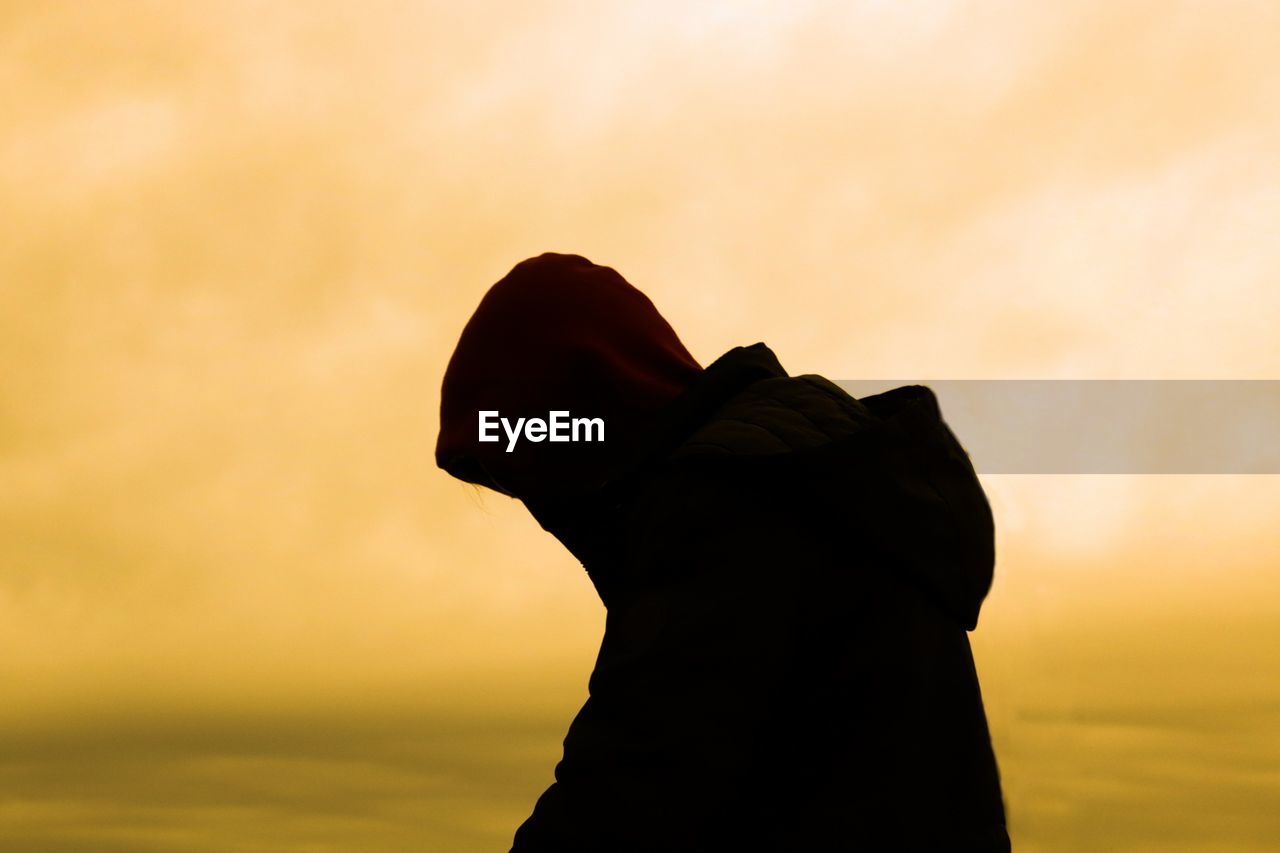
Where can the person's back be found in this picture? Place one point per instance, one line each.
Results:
(789, 575)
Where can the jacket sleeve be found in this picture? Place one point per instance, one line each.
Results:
(688, 676)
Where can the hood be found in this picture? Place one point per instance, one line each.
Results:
(903, 492)
(883, 475)
(557, 334)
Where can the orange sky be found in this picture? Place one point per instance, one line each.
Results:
(240, 241)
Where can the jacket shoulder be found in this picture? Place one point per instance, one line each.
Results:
(778, 415)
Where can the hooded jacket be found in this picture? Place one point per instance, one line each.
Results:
(789, 575)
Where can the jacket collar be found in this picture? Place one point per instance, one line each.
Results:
(582, 522)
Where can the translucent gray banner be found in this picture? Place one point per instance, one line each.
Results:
(1108, 426)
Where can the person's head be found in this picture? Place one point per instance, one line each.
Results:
(556, 334)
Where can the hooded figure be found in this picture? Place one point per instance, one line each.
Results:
(789, 574)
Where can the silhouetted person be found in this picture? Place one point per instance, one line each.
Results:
(789, 575)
